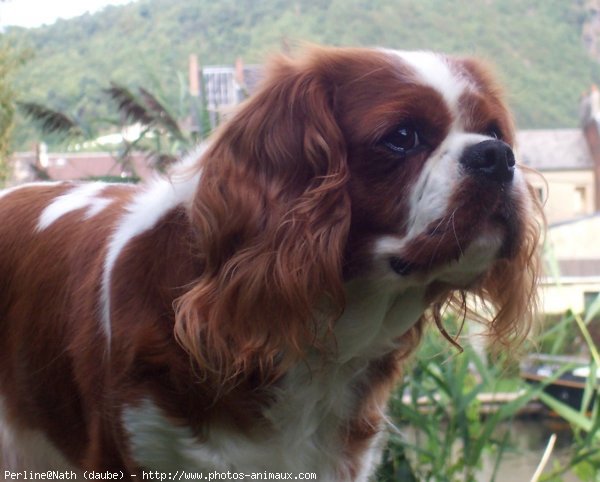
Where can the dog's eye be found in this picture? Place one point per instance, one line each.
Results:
(402, 140)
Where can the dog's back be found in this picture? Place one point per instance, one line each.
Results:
(52, 244)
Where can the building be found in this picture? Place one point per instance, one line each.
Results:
(39, 165)
(223, 87)
(569, 160)
(572, 278)
(564, 159)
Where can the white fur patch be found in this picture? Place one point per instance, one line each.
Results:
(96, 206)
(311, 406)
(304, 438)
(431, 193)
(430, 202)
(80, 197)
(27, 450)
(141, 215)
(434, 70)
(391, 307)
(158, 443)
(372, 457)
(477, 257)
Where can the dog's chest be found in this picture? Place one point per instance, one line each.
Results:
(309, 425)
(305, 433)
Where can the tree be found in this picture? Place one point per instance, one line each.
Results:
(10, 60)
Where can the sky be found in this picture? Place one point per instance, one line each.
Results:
(33, 13)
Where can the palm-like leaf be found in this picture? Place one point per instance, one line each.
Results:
(129, 105)
(51, 121)
(144, 108)
(161, 115)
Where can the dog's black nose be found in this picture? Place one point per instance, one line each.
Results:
(493, 159)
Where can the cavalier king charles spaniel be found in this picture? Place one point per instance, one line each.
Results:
(251, 311)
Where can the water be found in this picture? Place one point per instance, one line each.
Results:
(528, 440)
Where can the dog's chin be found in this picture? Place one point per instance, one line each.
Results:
(463, 267)
(472, 264)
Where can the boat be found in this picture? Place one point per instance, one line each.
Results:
(569, 386)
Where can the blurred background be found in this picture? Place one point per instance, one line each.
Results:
(117, 90)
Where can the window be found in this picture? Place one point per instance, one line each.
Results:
(540, 193)
(579, 203)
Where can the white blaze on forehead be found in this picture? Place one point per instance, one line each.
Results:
(434, 70)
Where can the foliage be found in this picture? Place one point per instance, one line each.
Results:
(10, 60)
(584, 457)
(536, 45)
(160, 127)
(439, 401)
(163, 137)
(51, 121)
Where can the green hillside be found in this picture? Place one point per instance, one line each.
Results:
(536, 45)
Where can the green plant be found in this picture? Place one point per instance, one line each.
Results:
(165, 132)
(440, 406)
(584, 456)
(440, 402)
(10, 60)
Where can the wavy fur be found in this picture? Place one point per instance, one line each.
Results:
(271, 215)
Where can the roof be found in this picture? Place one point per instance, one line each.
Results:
(580, 268)
(67, 166)
(554, 149)
(580, 219)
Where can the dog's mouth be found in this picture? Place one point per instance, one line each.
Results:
(401, 266)
(458, 267)
(468, 241)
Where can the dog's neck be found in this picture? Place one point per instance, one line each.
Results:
(324, 406)
(377, 314)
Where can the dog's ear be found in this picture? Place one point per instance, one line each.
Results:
(271, 216)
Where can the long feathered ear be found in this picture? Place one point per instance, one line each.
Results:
(271, 216)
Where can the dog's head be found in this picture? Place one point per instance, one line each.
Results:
(395, 167)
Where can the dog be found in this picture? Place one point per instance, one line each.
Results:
(253, 310)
